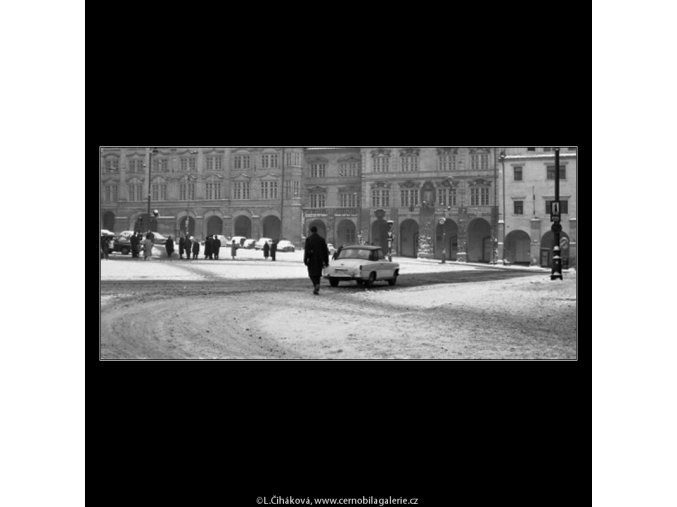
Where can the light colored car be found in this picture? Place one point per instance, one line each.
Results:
(363, 263)
(285, 246)
(249, 243)
(259, 244)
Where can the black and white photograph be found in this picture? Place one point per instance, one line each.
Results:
(338, 253)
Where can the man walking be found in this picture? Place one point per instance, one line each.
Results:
(315, 257)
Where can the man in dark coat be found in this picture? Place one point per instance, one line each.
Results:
(216, 247)
(182, 246)
(196, 249)
(134, 242)
(208, 247)
(273, 249)
(266, 250)
(315, 257)
(169, 246)
(187, 243)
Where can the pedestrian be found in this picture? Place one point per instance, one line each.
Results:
(182, 245)
(266, 250)
(134, 242)
(216, 247)
(186, 246)
(233, 249)
(169, 247)
(273, 250)
(315, 257)
(104, 247)
(147, 248)
(208, 247)
(196, 249)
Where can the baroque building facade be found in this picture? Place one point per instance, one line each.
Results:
(437, 201)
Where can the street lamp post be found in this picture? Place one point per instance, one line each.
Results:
(443, 223)
(150, 161)
(555, 216)
(390, 240)
(503, 217)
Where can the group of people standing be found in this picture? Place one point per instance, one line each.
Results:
(139, 244)
(270, 250)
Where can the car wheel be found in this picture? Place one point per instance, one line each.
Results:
(372, 279)
(393, 280)
(333, 282)
(124, 251)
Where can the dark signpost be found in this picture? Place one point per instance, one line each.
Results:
(556, 218)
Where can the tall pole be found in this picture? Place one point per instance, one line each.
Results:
(504, 218)
(555, 216)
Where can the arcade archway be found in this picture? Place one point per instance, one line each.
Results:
(408, 238)
(479, 241)
(346, 233)
(517, 248)
(321, 228)
(214, 225)
(379, 234)
(272, 227)
(447, 239)
(546, 248)
(243, 226)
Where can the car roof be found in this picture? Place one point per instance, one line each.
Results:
(363, 247)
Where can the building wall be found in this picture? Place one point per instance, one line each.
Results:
(534, 191)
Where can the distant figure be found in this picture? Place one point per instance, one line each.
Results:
(273, 249)
(150, 235)
(187, 243)
(104, 247)
(182, 246)
(216, 247)
(196, 249)
(266, 250)
(134, 242)
(208, 247)
(315, 257)
(169, 246)
(147, 248)
(233, 249)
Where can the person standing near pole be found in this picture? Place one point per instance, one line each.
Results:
(315, 257)
(266, 250)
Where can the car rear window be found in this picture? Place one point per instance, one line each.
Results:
(354, 253)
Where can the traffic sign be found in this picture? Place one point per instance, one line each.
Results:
(555, 211)
(563, 243)
(442, 221)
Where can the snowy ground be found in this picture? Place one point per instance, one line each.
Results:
(253, 309)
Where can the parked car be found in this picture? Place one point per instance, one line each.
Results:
(363, 263)
(249, 243)
(259, 244)
(105, 233)
(285, 246)
(122, 242)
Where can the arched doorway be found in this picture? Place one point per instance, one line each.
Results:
(243, 226)
(346, 233)
(447, 238)
(109, 221)
(379, 234)
(272, 227)
(321, 228)
(214, 225)
(408, 238)
(191, 225)
(479, 241)
(546, 248)
(517, 248)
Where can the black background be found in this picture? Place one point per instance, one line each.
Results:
(226, 432)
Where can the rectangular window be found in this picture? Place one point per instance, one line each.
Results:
(297, 188)
(241, 190)
(409, 163)
(447, 162)
(269, 190)
(318, 201)
(446, 196)
(409, 197)
(318, 170)
(159, 191)
(213, 190)
(380, 198)
(518, 207)
(242, 161)
(551, 172)
(160, 165)
(479, 196)
(214, 163)
(517, 173)
(269, 160)
(381, 164)
(479, 161)
(563, 207)
(347, 200)
(111, 193)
